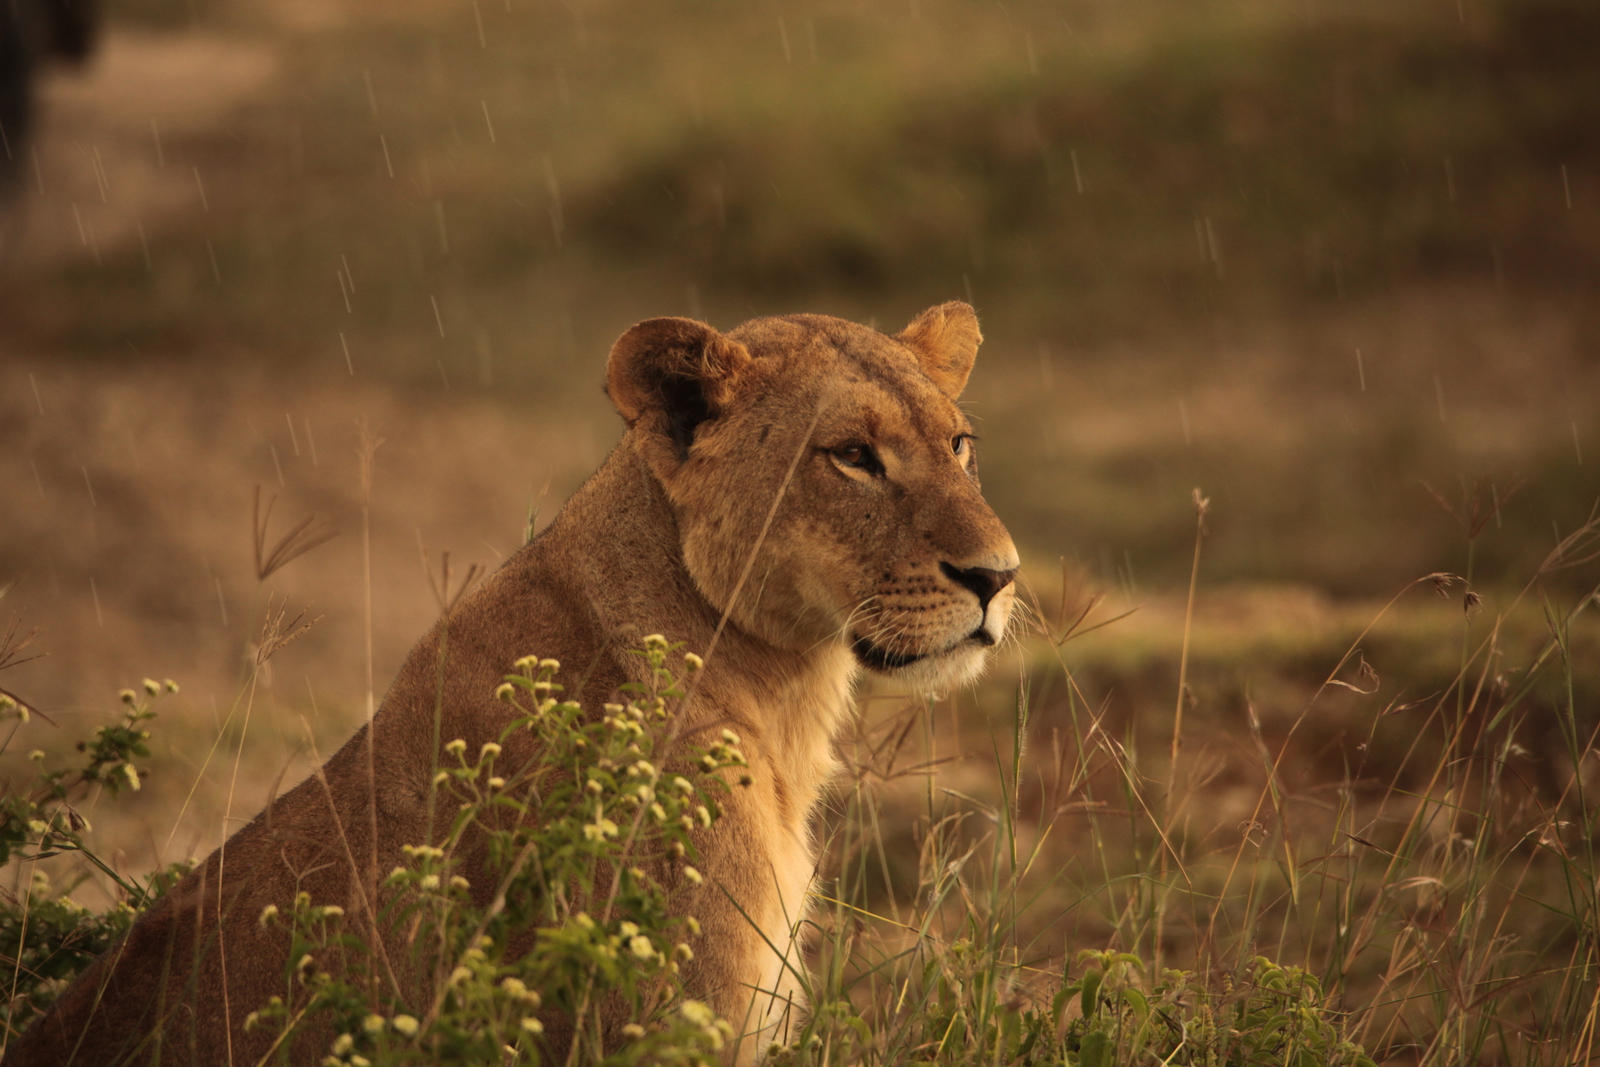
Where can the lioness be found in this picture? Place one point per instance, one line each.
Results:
(805, 485)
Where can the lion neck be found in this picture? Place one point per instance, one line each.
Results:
(620, 531)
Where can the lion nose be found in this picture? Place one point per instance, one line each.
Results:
(981, 580)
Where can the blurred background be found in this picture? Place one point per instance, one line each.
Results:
(1333, 264)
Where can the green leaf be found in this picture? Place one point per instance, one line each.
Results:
(1091, 992)
(1059, 1001)
(1027, 1045)
(1096, 1050)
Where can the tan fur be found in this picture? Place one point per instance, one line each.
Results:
(740, 465)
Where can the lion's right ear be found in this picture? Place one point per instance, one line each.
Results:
(945, 339)
(670, 375)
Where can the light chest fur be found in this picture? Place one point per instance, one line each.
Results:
(796, 761)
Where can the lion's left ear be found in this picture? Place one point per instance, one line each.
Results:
(670, 375)
(945, 339)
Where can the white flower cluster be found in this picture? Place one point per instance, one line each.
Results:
(9, 706)
(698, 1015)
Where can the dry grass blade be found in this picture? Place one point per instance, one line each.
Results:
(1476, 512)
(1365, 675)
(301, 538)
(275, 633)
(439, 583)
(1396, 706)
(1577, 548)
(1202, 508)
(11, 647)
(1442, 581)
(1062, 630)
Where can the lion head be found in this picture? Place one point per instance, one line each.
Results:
(825, 483)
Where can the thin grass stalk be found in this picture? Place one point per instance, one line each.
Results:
(366, 448)
(1202, 505)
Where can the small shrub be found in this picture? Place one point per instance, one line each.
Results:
(45, 937)
(1275, 1016)
(573, 841)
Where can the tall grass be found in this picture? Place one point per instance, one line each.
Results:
(1441, 913)
(1031, 884)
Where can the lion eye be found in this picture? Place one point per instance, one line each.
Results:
(959, 443)
(860, 457)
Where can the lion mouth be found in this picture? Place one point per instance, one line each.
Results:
(881, 659)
